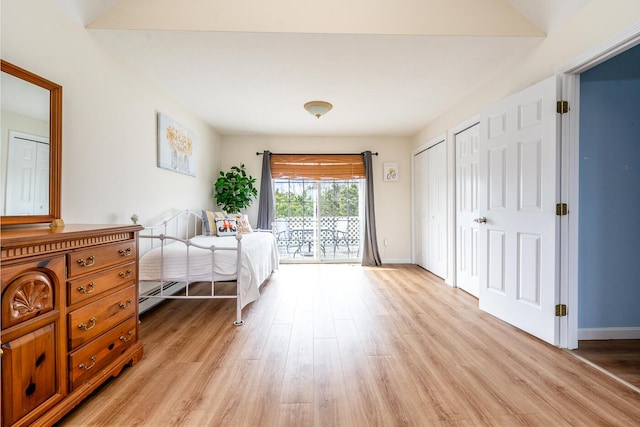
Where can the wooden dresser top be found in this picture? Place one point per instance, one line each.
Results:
(29, 241)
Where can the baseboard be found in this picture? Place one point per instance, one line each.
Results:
(609, 333)
(396, 261)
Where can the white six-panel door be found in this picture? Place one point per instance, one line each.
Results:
(517, 196)
(467, 146)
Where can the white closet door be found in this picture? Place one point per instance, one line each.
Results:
(41, 189)
(27, 175)
(437, 210)
(517, 192)
(430, 209)
(420, 207)
(466, 143)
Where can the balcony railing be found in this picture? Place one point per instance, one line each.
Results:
(300, 237)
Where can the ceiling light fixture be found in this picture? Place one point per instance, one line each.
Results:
(318, 108)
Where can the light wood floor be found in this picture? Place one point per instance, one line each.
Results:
(351, 346)
(620, 357)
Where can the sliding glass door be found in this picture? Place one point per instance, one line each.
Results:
(318, 220)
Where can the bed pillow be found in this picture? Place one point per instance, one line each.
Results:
(209, 222)
(242, 220)
(226, 227)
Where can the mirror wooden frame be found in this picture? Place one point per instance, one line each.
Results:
(55, 146)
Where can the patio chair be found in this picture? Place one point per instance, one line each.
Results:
(341, 236)
(280, 228)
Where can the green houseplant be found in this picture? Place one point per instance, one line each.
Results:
(235, 190)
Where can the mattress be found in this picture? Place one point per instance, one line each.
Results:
(181, 263)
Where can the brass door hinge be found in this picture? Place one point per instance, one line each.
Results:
(562, 209)
(562, 107)
(561, 310)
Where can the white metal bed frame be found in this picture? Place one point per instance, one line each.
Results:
(184, 224)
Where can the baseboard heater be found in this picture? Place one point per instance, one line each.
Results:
(146, 300)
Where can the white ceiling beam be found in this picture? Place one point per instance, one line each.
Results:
(402, 17)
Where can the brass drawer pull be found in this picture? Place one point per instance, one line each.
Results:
(86, 327)
(126, 275)
(88, 289)
(84, 263)
(125, 339)
(87, 367)
(125, 252)
(127, 305)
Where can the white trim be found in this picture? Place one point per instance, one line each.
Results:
(28, 136)
(624, 40)
(562, 224)
(570, 74)
(471, 121)
(570, 224)
(430, 143)
(413, 207)
(609, 333)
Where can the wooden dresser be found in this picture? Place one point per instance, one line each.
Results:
(69, 316)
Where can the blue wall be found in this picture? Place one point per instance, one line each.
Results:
(609, 248)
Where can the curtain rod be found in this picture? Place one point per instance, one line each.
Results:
(258, 153)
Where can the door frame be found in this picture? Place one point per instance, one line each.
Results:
(318, 259)
(569, 178)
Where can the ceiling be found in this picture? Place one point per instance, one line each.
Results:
(388, 67)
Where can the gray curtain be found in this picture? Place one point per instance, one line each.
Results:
(266, 209)
(370, 254)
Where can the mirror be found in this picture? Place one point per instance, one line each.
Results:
(31, 147)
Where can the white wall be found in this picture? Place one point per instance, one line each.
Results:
(108, 122)
(392, 199)
(595, 23)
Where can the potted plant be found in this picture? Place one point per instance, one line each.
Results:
(235, 190)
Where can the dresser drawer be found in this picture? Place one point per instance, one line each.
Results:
(84, 362)
(93, 319)
(93, 286)
(86, 261)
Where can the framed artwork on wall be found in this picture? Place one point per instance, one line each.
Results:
(390, 171)
(176, 146)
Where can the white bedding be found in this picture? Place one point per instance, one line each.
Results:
(258, 260)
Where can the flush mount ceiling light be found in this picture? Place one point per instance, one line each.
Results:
(318, 108)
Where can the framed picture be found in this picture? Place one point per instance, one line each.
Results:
(176, 146)
(390, 171)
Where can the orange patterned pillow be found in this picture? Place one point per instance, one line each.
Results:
(226, 227)
(242, 222)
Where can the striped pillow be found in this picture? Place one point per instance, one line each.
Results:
(209, 222)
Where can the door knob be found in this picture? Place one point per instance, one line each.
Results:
(481, 220)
